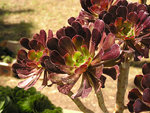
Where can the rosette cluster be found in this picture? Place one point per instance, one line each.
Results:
(95, 7)
(74, 51)
(29, 60)
(79, 50)
(139, 99)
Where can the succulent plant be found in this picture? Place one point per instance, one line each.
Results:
(29, 61)
(139, 99)
(79, 50)
(129, 22)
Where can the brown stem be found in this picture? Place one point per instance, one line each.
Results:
(121, 87)
(101, 101)
(80, 105)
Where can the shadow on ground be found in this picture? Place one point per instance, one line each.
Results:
(14, 31)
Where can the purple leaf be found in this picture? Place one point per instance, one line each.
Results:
(122, 11)
(113, 72)
(78, 28)
(60, 33)
(139, 106)
(70, 32)
(71, 19)
(22, 54)
(113, 53)
(42, 37)
(134, 94)
(132, 7)
(52, 44)
(50, 34)
(77, 41)
(146, 68)
(146, 95)
(108, 18)
(109, 41)
(96, 36)
(57, 58)
(146, 81)
(141, 7)
(25, 43)
(66, 44)
(132, 17)
(84, 89)
(137, 81)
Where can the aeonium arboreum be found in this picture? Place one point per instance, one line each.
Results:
(139, 99)
(79, 50)
(130, 23)
(29, 60)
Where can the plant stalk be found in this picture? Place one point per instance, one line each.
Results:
(80, 105)
(122, 84)
(101, 101)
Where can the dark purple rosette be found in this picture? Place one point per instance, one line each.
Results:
(88, 51)
(139, 99)
(130, 23)
(29, 60)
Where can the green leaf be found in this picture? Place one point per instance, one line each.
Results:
(32, 55)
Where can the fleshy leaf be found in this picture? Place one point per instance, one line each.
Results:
(43, 37)
(122, 11)
(50, 34)
(34, 44)
(137, 81)
(66, 44)
(108, 18)
(146, 68)
(32, 54)
(146, 81)
(52, 44)
(99, 25)
(70, 32)
(78, 28)
(25, 43)
(146, 95)
(139, 106)
(28, 83)
(132, 7)
(84, 89)
(132, 17)
(60, 33)
(109, 41)
(134, 94)
(68, 60)
(113, 53)
(71, 19)
(78, 41)
(57, 58)
(22, 54)
(130, 106)
(112, 72)
(96, 37)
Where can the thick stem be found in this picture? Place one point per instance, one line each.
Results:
(101, 101)
(80, 105)
(121, 87)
